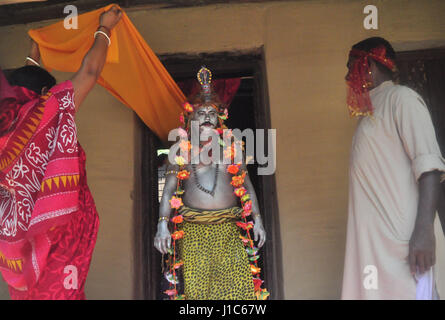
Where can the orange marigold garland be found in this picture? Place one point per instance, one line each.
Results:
(173, 264)
(176, 202)
(233, 168)
(177, 219)
(241, 192)
(183, 174)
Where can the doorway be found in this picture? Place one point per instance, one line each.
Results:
(249, 109)
(424, 72)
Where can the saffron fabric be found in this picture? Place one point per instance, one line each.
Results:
(132, 72)
(49, 219)
(389, 153)
(216, 265)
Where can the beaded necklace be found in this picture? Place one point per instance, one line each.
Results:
(200, 187)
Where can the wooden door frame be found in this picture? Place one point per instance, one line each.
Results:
(147, 261)
(413, 67)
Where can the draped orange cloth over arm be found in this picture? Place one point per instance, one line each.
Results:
(132, 72)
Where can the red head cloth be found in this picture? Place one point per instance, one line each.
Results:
(359, 79)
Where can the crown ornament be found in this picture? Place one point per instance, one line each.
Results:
(204, 76)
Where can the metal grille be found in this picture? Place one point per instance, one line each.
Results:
(162, 168)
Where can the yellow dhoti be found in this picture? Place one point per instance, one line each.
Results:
(216, 265)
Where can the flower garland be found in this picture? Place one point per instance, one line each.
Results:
(246, 203)
(173, 263)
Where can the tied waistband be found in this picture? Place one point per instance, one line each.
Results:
(210, 216)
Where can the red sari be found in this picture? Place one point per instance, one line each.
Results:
(48, 219)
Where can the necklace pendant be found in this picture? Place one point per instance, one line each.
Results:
(200, 187)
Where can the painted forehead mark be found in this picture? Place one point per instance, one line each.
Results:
(206, 108)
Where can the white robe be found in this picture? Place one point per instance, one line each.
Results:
(389, 153)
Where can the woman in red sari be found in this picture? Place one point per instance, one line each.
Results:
(48, 220)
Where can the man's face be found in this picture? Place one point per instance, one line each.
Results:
(372, 68)
(207, 117)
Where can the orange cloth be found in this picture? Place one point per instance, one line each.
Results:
(132, 72)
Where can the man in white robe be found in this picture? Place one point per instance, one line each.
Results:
(395, 167)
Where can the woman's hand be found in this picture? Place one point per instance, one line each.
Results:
(34, 53)
(110, 18)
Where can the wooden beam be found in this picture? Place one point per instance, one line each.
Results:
(38, 11)
(18, 1)
(21, 13)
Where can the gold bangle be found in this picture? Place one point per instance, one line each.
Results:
(171, 171)
(163, 218)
